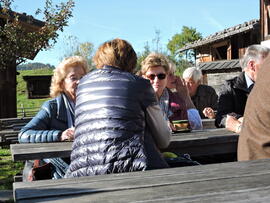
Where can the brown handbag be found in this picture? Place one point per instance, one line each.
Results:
(40, 172)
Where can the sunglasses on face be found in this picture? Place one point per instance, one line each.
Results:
(160, 76)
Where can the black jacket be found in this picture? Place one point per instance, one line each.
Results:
(110, 124)
(206, 96)
(232, 99)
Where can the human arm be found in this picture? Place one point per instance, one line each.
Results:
(39, 129)
(182, 91)
(194, 119)
(233, 124)
(225, 106)
(158, 126)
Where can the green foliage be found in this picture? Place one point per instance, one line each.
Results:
(156, 47)
(73, 47)
(18, 43)
(8, 169)
(187, 35)
(22, 100)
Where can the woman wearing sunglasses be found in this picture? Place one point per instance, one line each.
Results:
(175, 106)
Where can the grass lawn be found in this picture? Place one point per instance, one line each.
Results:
(8, 169)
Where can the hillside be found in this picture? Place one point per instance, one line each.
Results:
(32, 66)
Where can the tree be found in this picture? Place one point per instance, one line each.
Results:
(156, 47)
(187, 35)
(17, 43)
(73, 47)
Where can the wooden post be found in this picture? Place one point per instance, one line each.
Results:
(8, 99)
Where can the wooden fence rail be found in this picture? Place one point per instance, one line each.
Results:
(27, 112)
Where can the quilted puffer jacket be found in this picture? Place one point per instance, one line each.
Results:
(110, 124)
(48, 124)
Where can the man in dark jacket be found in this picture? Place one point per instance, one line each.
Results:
(233, 97)
(119, 126)
(204, 97)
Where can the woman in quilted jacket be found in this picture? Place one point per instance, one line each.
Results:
(119, 125)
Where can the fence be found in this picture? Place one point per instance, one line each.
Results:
(27, 112)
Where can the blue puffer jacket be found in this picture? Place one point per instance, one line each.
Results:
(47, 126)
(110, 124)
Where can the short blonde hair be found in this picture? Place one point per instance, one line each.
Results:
(118, 53)
(60, 73)
(154, 60)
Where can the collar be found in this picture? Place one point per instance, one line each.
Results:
(249, 82)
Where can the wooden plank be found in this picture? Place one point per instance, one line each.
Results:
(197, 143)
(210, 182)
(208, 123)
(32, 151)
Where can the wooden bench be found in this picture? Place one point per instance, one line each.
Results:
(226, 182)
(8, 137)
(9, 129)
(197, 143)
(13, 123)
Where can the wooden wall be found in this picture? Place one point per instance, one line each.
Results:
(8, 99)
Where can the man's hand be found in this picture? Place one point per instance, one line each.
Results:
(67, 135)
(209, 112)
(233, 124)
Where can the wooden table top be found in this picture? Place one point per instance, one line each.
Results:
(227, 182)
(195, 143)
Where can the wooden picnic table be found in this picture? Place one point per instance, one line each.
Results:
(226, 182)
(196, 143)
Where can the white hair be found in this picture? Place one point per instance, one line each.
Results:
(194, 73)
(254, 52)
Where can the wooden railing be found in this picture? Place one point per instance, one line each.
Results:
(27, 111)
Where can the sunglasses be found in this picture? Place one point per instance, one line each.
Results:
(160, 76)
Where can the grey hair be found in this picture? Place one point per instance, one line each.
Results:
(254, 52)
(194, 73)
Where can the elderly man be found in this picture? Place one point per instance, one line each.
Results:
(204, 97)
(233, 97)
(254, 140)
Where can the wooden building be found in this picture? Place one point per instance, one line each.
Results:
(227, 44)
(8, 100)
(38, 86)
(265, 21)
(218, 54)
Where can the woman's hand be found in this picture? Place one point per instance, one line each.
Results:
(67, 135)
(209, 112)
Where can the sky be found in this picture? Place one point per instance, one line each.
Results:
(137, 21)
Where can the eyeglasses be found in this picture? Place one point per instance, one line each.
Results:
(160, 76)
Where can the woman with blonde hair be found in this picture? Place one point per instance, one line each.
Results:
(55, 120)
(119, 126)
(175, 105)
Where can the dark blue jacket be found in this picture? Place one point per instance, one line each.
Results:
(110, 124)
(47, 126)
